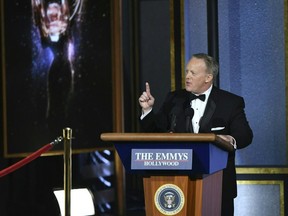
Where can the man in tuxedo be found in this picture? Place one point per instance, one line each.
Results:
(202, 108)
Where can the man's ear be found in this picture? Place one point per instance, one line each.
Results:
(209, 78)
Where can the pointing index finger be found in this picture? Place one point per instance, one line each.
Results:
(147, 88)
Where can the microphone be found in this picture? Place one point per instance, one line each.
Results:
(174, 112)
(189, 113)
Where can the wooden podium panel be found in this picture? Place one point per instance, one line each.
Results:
(202, 196)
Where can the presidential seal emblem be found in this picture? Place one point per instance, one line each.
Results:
(169, 199)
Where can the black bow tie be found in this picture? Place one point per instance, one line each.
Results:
(201, 97)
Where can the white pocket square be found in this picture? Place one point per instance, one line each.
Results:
(217, 128)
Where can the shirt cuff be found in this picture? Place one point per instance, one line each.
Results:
(145, 113)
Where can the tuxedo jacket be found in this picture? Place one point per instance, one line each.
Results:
(224, 114)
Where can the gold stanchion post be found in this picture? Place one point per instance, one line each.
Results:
(67, 136)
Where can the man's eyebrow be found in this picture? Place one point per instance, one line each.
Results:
(187, 70)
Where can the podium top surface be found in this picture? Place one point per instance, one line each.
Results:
(168, 137)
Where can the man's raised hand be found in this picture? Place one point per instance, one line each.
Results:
(146, 100)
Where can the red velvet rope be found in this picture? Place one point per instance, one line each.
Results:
(26, 160)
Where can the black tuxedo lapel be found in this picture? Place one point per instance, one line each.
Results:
(209, 110)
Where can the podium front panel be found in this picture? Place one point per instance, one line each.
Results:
(207, 158)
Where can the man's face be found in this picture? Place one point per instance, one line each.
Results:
(197, 80)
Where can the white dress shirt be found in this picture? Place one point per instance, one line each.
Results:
(199, 107)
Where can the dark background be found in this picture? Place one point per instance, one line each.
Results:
(26, 69)
(29, 190)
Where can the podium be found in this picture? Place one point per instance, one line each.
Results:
(182, 172)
